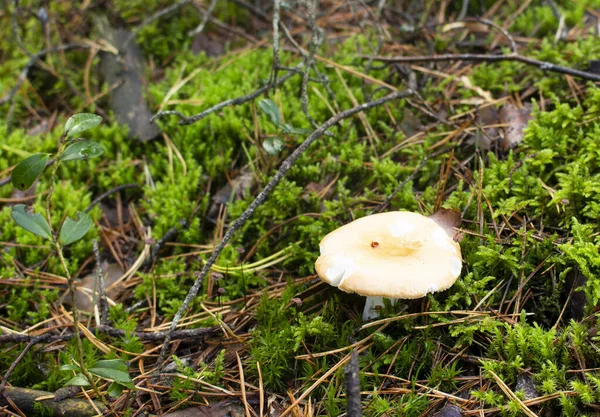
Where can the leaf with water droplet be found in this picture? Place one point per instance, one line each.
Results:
(80, 122)
(273, 145)
(84, 149)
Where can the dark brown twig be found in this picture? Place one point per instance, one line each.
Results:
(101, 285)
(543, 65)
(261, 198)
(155, 16)
(188, 120)
(352, 379)
(112, 332)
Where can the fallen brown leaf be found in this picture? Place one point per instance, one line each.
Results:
(449, 220)
(516, 120)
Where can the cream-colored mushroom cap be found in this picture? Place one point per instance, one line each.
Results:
(395, 255)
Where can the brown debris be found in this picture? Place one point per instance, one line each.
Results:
(516, 119)
(449, 220)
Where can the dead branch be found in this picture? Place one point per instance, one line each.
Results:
(543, 65)
(26, 399)
(188, 120)
(113, 332)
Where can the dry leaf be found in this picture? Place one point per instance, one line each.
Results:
(516, 120)
(449, 220)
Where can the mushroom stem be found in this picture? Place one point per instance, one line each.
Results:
(371, 311)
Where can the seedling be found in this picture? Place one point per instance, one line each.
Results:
(24, 175)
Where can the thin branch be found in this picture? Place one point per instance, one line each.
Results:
(261, 198)
(185, 120)
(170, 234)
(276, 62)
(543, 65)
(112, 332)
(205, 20)
(352, 382)
(513, 44)
(103, 302)
(155, 16)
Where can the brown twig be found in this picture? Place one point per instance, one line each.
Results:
(112, 332)
(352, 379)
(543, 65)
(188, 120)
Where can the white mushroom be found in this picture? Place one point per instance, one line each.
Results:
(395, 255)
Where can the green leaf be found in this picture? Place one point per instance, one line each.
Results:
(32, 222)
(115, 389)
(295, 130)
(28, 170)
(68, 367)
(121, 377)
(271, 109)
(273, 145)
(84, 149)
(78, 380)
(118, 364)
(73, 230)
(80, 122)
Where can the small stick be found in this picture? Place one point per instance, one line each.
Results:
(113, 332)
(188, 120)
(101, 285)
(352, 377)
(543, 65)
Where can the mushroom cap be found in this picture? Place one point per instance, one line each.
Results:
(395, 255)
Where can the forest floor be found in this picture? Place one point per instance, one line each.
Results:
(178, 228)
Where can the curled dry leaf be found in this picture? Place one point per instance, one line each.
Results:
(516, 120)
(449, 220)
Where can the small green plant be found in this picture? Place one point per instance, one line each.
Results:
(24, 175)
(114, 370)
(275, 144)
